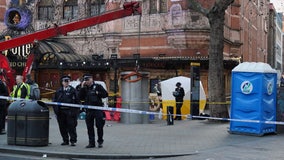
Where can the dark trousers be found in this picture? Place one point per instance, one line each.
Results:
(67, 121)
(178, 110)
(91, 117)
(3, 113)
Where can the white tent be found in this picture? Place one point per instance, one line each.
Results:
(169, 85)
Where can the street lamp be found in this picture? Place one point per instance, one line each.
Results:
(114, 58)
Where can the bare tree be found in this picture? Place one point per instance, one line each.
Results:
(216, 82)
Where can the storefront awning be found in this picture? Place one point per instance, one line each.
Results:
(55, 54)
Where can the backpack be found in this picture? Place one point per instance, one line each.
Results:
(34, 91)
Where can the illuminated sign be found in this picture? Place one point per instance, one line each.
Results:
(17, 64)
(22, 51)
(18, 55)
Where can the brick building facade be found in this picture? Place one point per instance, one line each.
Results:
(3, 7)
(166, 30)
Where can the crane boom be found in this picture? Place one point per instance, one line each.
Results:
(129, 9)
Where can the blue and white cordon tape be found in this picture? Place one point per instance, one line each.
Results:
(143, 112)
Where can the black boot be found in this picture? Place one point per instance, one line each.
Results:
(90, 145)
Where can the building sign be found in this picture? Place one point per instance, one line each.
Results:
(22, 51)
(17, 56)
(17, 64)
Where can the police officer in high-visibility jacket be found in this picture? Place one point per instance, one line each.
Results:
(21, 89)
(92, 94)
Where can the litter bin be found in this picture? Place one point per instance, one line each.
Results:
(170, 115)
(134, 90)
(253, 99)
(28, 123)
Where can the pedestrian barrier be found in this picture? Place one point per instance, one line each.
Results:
(108, 116)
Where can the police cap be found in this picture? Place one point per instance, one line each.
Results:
(65, 78)
(87, 76)
(178, 84)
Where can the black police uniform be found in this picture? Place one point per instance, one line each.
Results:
(178, 94)
(3, 104)
(67, 116)
(93, 96)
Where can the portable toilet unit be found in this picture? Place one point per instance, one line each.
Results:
(253, 99)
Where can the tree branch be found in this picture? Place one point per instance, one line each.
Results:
(223, 4)
(194, 5)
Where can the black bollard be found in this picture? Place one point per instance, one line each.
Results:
(170, 115)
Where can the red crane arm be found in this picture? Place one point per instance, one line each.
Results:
(8, 75)
(128, 9)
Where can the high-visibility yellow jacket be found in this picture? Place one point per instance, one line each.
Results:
(22, 92)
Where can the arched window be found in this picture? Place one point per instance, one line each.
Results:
(70, 10)
(45, 10)
(97, 7)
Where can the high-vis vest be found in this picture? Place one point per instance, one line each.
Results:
(18, 94)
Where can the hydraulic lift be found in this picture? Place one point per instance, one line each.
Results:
(129, 8)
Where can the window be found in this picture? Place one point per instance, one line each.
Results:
(45, 10)
(158, 6)
(153, 7)
(97, 7)
(163, 6)
(70, 10)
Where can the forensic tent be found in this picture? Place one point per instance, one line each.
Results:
(168, 87)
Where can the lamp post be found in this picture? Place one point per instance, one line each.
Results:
(195, 88)
(114, 58)
(61, 68)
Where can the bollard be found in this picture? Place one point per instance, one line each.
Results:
(170, 115)
(151, 117)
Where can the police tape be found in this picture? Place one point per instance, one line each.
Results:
(188, 116)
(46, 93)
(235, 120)
(51, 91)
(81, 106)
(148, 102)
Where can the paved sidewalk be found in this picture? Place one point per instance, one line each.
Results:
(194, 138)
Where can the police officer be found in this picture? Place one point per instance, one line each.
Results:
(67, 116)
(21, 89)
(178, 94)
(92, 94)
(3, 103)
